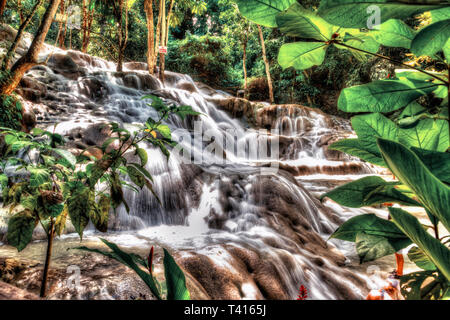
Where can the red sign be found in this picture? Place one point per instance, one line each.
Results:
(162, 49)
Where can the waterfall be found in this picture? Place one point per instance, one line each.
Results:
(250, 218)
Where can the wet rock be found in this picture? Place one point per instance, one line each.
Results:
(187, 85)
(63, 64)
(135, 65)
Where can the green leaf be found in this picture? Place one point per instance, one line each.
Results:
(432, 247)
(370, 247)
(136, 176)
(371, 126)
(383, 95)
(360, 40)
(164, 130)
(299, 22)
(79, 207)
(263, 12)
(175, 279)
(429, 134)
(416, 255)
(431, 39)
(302, 55)
(368, 191)
(130, 261)
(355, 148)
(3, 180)
(67, 155)
(99, 213)
(55, 210)
(372, 225)
(407, 167)
(20, 229)
(38, 176)
(437, 162)
(394, 33)
(411, 284)
(142, 154)
(357, 13)
(184, 111)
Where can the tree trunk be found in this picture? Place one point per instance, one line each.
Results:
(12, 50)
(244, 65)
(62, 35)
(168, 22)
(2, 8)
(266, 63)
(163, 38)
(123, 32)
(148, 6)
(29, 60)
(48, 257)
(158, 33)
(84, 27)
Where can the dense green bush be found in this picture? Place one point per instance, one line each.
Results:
(206, 58)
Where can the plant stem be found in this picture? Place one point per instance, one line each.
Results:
(394, 61)
(50, 237)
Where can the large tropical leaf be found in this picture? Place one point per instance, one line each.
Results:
(302, 55)
(299, 22)
(263, 12)
(20, 229)
(383, 95)
(369, 127)
(356, 13)
(370, 247)
(416, 255)
(359, 40)
(407, 167)
(431, 39)
(426, 134)
(355, 148)
(368, 191)
(79, 206)
(432, 247)
(372, 225)
(394, 33)
(175, 279)
(437, 162)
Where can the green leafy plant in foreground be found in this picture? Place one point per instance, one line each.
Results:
(396, 131)
(58, 185)
(175, 280)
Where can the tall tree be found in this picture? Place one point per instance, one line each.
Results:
(30, 59)
(266, 63)
(121, 14)
(12, 50)
(151, 53)
(162, 13)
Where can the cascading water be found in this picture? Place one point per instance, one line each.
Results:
(250, 221)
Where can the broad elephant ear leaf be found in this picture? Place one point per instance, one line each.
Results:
(299, 22)
(356, 148)
(410, 170)
(302, 55)
(432, 247)
(383, 95)
(263, 12)
(431, 39)
(358, 13)
(368, 191)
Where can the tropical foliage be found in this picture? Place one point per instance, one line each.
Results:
(395, 131)
(43, 183)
